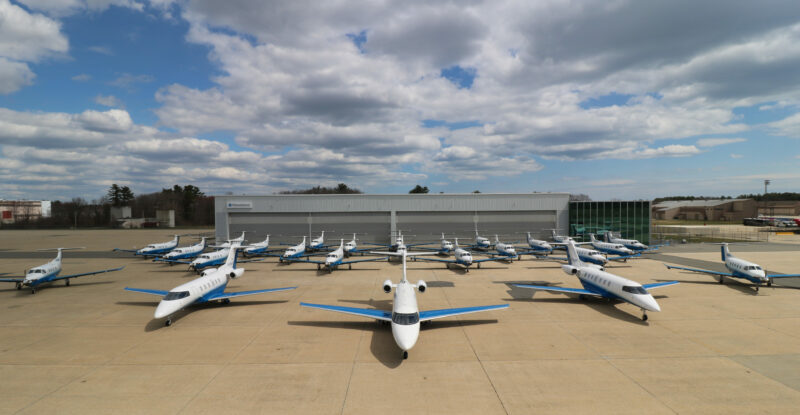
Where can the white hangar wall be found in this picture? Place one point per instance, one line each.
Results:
(376, 217)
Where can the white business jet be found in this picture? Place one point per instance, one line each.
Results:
(599, 283)
(739, 268)
(405, 316)
(209, 287)
(336, 258)
(184, 252)
(48, 272)
(629, 243)
(227, 244)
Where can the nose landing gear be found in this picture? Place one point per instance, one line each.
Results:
(405, 355)
(644, 315)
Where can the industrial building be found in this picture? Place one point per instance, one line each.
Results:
(630, 219)
(733, 210)
(377, 217)
(13, 211)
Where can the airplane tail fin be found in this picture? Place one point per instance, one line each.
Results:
(233, 254)
(592, 238)
(553, 232)
(572, 255)
(725, 252)
(455, 243)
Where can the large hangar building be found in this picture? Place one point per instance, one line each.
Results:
(377, 217)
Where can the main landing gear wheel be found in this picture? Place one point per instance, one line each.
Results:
(769, 283)
(349, 266)
(756, 288)
(582, 297)
(33, 290)
(168, 323)
(226, 301)
(67, 283)
(19, 286)
(479, 265)
(405, 355)
(721, 279)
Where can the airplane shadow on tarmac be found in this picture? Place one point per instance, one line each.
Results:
(736, 285)
(50, 286)
(601, 305)
(156, 324)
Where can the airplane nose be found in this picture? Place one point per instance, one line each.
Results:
(405, 336)
(163, 310)
(650, 303)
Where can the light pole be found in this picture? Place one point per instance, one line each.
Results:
(766, 183)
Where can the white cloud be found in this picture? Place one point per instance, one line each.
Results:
(103, 50)
(82, 77)
(736, 156)
(788, 127)
(108, 101)
(14, 75)
(63, 8)
(713, 142)
(128, 81)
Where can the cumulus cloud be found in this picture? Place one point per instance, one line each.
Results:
(713, 142)
(108, 101)
(62, 8)
(81, 77)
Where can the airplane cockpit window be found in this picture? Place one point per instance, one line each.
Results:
(756, 267)
(405, 319)
(634, 290)
(176, 295)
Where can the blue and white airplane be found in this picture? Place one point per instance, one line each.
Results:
(335, 259)
(209, 287)
(48, 273)
(481, 242)
(294, 252)
(598, 283)
(185, 252)
(629, 243)
(460, 257)
(504, 250)
(227, 244)
(536, 246)
(739, 268)
(405, 316)
(154, 250)
(445, 246)
(610, 247)
(257, 248)
(317, 243)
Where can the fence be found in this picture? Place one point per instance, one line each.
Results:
(707, 234)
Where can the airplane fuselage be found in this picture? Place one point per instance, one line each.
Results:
(209, 259)
(42, 274)
(186, 252)
(746, 270)
(405, 316)
(193, 291)
(592, 256)
(613, 286)
(158, 249)
(612, 248)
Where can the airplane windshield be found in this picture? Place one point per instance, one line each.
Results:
(405, 319)
(634, 290)
(176, 295)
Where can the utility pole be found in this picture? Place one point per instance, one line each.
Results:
(766, 183)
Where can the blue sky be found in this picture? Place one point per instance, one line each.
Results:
(253, 98)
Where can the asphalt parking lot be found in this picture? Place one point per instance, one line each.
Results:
(94, 348)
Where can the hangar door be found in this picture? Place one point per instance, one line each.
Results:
(428, 226)
(290, 227)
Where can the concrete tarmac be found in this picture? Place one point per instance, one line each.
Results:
(94, 348)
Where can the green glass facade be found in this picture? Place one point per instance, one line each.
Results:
(630, 219)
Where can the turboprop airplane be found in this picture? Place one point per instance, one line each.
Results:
(154, 249)
(461, 257)
(405, 316)
(209, 287)
(598, 283)
(257, 248)
(445, 246)
(336, 258)
(504, 251)
(610, 247)
(227, 244)
(629, 243)
(206, 260)
(739, 268)
(537, 246)
(48, 272)
(351, 247)
(481, 242)
(317, 243)
(184, 252)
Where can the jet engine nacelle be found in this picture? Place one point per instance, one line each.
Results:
(569, 269)
(236, 273)
(421, 286)
(207, 272)
(387, 286)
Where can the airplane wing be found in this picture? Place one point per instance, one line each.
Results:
(250, 260)
(301, 259)
(223, 295)
(783, 275)
(174, 261)
(449, 261)
(496, 258)
(363, 312)
(726, 274)
(145, 291)
(12, 279)
(659, 285)
(535, 253)
(618, 257)
(448, 312)
(364, 260)
(559, 289)
(63, 277)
